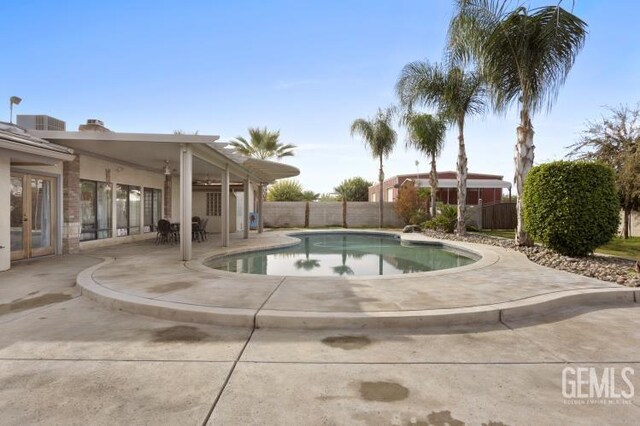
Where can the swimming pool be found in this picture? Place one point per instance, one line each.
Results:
(345, 254)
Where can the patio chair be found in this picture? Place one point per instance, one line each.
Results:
(175, 232)
(195, 231)
(164, 231)
(203, 229)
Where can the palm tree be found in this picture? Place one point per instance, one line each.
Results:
(455, 93)
(262, 144)
(525, 55)
(380, 138)
(425, 133)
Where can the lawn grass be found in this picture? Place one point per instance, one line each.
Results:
(629, 248)
(504, 233)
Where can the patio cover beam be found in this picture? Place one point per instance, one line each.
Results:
(225, 207)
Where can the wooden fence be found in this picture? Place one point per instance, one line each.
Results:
(499, 216)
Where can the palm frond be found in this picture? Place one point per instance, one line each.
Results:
(377, 133)
(262, 144)
(525, 54)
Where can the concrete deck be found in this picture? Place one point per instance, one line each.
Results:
(75, 362)
(148, 279)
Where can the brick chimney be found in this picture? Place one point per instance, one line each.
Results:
(93, 125)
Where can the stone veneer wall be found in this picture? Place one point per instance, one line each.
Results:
(71, 206)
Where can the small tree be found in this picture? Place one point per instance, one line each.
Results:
(285, 190)
(380, 137)
(410, 204)
(615, 141)
(353, 189)
(571, 207)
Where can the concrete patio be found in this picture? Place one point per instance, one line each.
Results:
(149, 279)
(72, 361)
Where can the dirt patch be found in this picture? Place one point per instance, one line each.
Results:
(164, 288)
(383, 391)
(34, 302)
(179, 333)
(347, 342)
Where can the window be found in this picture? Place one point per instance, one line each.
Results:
(152, 208)
(214, 204)
(389, 194)
(95, 210)
(127, 210)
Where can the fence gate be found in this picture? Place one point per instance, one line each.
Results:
(499, 216)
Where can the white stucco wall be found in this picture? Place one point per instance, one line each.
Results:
(215, 222)
(5, 200)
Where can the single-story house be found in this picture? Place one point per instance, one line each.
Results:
(480, 186)
(67, 190)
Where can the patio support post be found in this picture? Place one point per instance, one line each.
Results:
(260, 218)
(245, 210)
(186, 183)
(225, 206)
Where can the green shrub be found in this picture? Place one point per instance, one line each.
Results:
(445, 221)
(354, 189)
(285, 190)
(571, 207)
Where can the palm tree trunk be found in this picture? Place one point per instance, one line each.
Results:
(625, 223)
(461, 227)
(523, 162)
(434, 185)
(381, 204)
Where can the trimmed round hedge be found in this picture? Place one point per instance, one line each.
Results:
(571, 207)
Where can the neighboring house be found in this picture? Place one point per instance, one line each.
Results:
(487, 188)
(67, 190)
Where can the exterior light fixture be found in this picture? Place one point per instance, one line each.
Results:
(166, 168)
(14, 100)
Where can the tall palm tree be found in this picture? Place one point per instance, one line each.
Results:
(262, 144)
(455, 93)
(380, 138)
(425, 133)
(525, 55)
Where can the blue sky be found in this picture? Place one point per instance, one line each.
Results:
(308, 68)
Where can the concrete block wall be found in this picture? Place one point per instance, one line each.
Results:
(635, 224)
(283, 214)
(324, 214)
(365, 214)
(290, 214)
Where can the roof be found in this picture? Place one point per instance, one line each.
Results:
(471, 183)
(152, 151)
(18, 140)
(425, 175)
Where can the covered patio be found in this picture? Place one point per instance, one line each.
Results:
(198, 160)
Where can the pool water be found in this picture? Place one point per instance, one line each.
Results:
(344, 254)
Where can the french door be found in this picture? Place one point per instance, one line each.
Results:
(32, 216)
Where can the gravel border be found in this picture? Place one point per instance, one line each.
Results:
(606, 268)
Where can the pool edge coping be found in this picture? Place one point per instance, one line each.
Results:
(266, 318)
